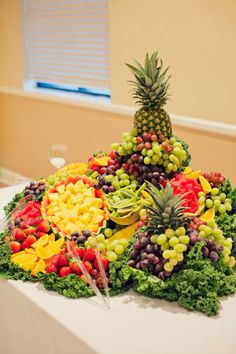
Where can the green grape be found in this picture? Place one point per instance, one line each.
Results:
(202, 234)
(100, 237)
(150, 153)
(228, 206)
(217, 232)
(165, 156)
(144, 152)
(143, 212)
(134, 132)
(101, 247)
(222, 197)
(179, 248)
(184, 239)
(172, 254)
(201, 194)
(173, 261)
(170, 166)
(119, 249)
(169, 233)
(172, 140)
(226, 258)
(124, 242)
(231, 262)
(121, 151)
(92, 241)
(167, 254)
(222, 209)
(177, 151)
(201, 200)
(111, 256)
(228, 243)
(122, 183)
(165, 163)
(156, 149)
(124, 176)
(165, 246)
(217, 203)
(179, 257)
(173, 241)
(211, 223)
(168, 267)
(119, 172)
(112, 245)
(214, 191)
(147, 160)
(153, 238)
(108, 232)
(155, 158)
(180, 231)
(161, 239)
(115, 146)
(209, 203)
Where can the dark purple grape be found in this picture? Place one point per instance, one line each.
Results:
(134, 254)
(167, 274)
(149, 248)
(151, 257)
(219, 249)
(97, 186)
(193, 238)
(111, 189)
(161, 275)
(156, 260)
(86, 233)
(137, 265)
(144, 264)
(144, 241)
(156, 248)
(213, 256)
(81, 239)
(105, 189)
(144, 255)
(141, 235)
(211, 245)
(131, 263)
(151, 268)
(205, 252)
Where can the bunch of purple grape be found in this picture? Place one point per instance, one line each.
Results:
(36, 189)
(80, 238)
(147, 256)
(104, 184)
(135, 166)
(210, 250)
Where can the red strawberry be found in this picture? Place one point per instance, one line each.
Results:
(64, 271)
(89, 255)
(30, 230)
(88, 266)
(79, 251)
(105, 263)
(51, 268)
(15, 246)
(18, 234)
(75, 268)
(43, 227)
(39, 234)
(59, 260)
(28, 242)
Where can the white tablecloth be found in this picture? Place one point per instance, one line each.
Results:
(34, 321)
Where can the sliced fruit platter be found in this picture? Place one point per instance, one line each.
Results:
(161, 228)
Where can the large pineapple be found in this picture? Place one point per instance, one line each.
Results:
(151, 92)
(166, 212)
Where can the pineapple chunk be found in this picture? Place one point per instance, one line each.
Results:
(98, 203)
(60, 189)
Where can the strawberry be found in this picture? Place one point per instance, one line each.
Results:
(105, 263)
(88, 266)
(43, 227)
(75, 268)
(18, 234)
(59, 260)
(30, 230)
(64, 271)
(51, 268)
(39, 234)
(79, 251)
(15, 246)
(89, 255)
(28, 242)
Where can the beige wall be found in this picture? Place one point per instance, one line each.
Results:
(29, 126)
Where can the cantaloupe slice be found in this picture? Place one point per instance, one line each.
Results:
(208, 215)
(101, 161)
(187, 170)
(194, 174)
(126, 233)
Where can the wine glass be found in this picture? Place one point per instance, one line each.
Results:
(58, 155)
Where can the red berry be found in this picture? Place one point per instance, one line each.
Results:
(88, 266)
(51, 268)
(43, 227)
(15, 246)
(30, 230)
(89, 255)
(18, 234)
(112, 154)
(79, 251)
(27, 243)
(75, 268)
(64, 271)
(59, 260)
(169, 148)
(154, 138)
(105, 263)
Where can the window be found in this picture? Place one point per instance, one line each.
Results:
(66, 45)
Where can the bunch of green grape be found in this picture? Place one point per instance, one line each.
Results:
(216, 200)
(210, 231)
(121, 179)
(128, 144)
(173, 243)
(113, 249)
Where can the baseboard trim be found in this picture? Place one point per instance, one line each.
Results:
(10, 178)
(209, 126)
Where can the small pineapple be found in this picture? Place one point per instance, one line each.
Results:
(151, 92)
(167, 212)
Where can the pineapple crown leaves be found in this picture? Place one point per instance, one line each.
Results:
(166, 211)
(150, 88)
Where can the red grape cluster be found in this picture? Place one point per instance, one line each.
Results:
(147, 256)
(36, 189)
(214, 178)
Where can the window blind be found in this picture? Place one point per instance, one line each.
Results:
(67, 43)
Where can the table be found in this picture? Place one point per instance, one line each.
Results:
(34, 321)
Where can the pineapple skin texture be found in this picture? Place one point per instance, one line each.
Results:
(159, 120)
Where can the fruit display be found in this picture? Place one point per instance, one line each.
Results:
(138, 215)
